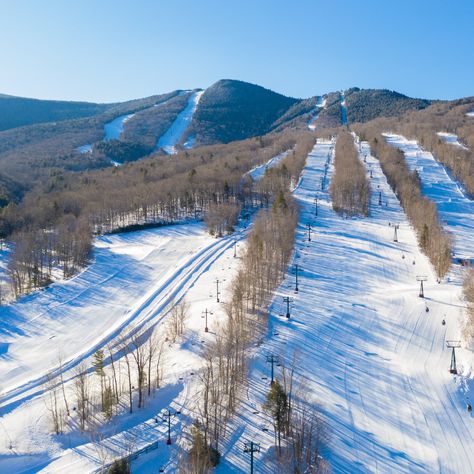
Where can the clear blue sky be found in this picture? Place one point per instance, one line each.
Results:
(107, 50)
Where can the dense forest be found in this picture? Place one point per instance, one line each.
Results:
(53, 225)
(233, 110)
(20, 111)
(350, 188)
(43, 152)
(364, 105)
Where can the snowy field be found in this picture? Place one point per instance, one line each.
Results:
(172, 136)
(452, 139)
(132, 280)
(365, 347)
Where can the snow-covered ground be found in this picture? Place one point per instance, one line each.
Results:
(172, 136)
(132, 280)
(320, 104)
(84, 148)
(5, 292)
(365, 347)
(470, 114)
(114, 129)
(455, 208)
(129, 275)
(258, 172)
(452, 139)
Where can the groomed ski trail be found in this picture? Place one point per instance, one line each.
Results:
(366, 349)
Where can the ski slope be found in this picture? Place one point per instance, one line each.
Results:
(451, 139)
(114, 129)
(134, 276)
(180, 386)
(320, 104)
(172, 136)
(84, 149)
(258, 172)
(132, 281)
(343, 109)
(455, 208)
(366, 350)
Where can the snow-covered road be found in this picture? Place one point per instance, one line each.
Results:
(365, 347)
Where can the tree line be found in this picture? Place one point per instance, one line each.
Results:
(468, 293)
(424, 125)
(191, 185)
(421, 211)
(350, 188)
(130, 369)
(225, 374)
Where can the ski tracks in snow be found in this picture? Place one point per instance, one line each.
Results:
(367, 350)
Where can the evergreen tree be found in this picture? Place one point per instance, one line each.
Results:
(280, 202)
(100, 372)
(277, 406)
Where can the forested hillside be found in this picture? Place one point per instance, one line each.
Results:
(367, 104)
(20, 111)
(234, 110)
(50, 138)
(43, 152)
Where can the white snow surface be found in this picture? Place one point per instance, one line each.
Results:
(127, 280)
(455, 208)
(133, 279)
(172, 136)
(452, 139)
(470, 114)
(366, 349)
(84, 148)
(320, 104)
(114, 129)
(258, 172)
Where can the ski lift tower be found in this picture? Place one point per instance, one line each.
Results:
(296, 275)
(251, 448)
(287, 300)
(395, 233)
(421, 279)
(453, 345)
(273, 360)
